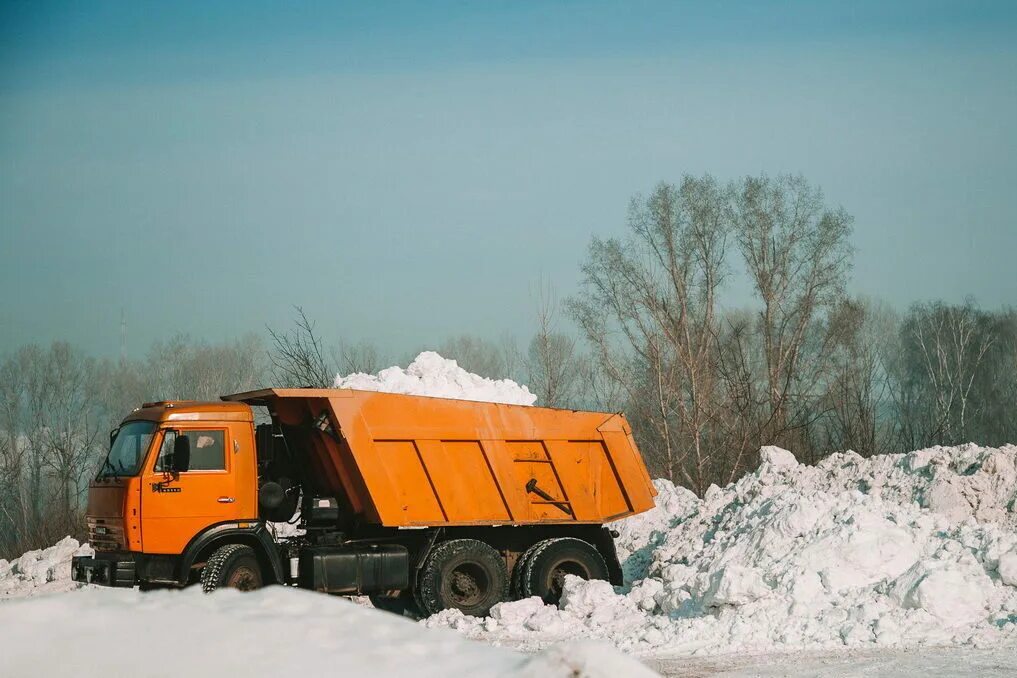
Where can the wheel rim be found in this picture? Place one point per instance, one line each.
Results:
(468, 585)
(243, 578)
(556, 578)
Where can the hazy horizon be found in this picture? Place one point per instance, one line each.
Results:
(406, 174)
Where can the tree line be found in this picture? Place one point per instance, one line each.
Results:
(705, 383)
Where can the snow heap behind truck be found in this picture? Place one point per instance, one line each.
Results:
(415, 501)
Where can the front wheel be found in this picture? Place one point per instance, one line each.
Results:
(233, 566)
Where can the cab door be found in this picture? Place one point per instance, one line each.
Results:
(177, 506)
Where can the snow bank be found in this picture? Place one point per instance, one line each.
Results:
(431, 375)
(273, 632)
(896, 550)
(42, 571)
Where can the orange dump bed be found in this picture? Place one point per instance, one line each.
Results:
(404, 461)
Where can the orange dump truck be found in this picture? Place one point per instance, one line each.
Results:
(419, 502)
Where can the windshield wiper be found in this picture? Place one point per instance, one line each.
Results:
(106, 463)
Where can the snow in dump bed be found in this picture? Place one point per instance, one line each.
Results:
(42, 571)
(895, 550)
(431, 375)
(273, 632)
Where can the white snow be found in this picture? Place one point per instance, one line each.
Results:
(891, 551)
(272, 632)
(431, 375)
(41, 571)
(852, 555)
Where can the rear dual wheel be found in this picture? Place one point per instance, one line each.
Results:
(465, 574)
(469, 575)
(542, 569)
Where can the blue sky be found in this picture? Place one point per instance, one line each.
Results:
(406, 171)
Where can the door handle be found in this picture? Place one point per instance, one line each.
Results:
(225, 500)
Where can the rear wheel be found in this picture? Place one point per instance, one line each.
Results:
(465, 574)
(519, 569)
(551, 560)
(232, 566)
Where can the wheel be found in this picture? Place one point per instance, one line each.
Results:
(403, 605)
(552, 559)
(519, 568)
(466, 574)
(232, 566)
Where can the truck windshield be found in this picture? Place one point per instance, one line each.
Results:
(129, 449)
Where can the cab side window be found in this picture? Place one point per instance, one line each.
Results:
(208, 451)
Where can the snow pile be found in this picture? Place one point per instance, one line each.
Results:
(896, 550)
(273, 632)
(431, 375)
(41, 571)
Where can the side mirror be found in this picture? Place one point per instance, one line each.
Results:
(113, 436)
(181, 454)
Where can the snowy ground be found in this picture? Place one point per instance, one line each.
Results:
(927, 661)
(272, 632)
(897, 565)
(894, 565)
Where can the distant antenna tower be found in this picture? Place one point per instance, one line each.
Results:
(123, 337)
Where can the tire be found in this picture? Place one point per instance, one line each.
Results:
(544, 572)
(465, 574)
(403, 605)
(232, 566)
(518, 569)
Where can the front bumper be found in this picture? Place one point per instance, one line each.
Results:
(105, 569)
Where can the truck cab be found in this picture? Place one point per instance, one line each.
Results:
(148, 505)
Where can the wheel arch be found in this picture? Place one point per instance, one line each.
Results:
(256, 536)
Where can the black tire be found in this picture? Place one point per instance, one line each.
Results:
(519, 568)
(544, 572)
(465, 574)
(403, 605)
(232, 566)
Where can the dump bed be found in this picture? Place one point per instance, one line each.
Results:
(403, 461)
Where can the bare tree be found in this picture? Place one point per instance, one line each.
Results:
(72, 434)
(299, 357)
(552, 358)
(741, 412)
(494, 360)
(647, 308)
(949, 344)
(359, 357)
(797, 254)
(50, 434)
(858, 391)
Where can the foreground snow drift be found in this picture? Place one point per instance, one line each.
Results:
(431, 375)
(273, 632)
(895, 550)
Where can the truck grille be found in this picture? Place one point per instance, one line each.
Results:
(106, 534)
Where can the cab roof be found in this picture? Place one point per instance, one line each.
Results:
(192, 410)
